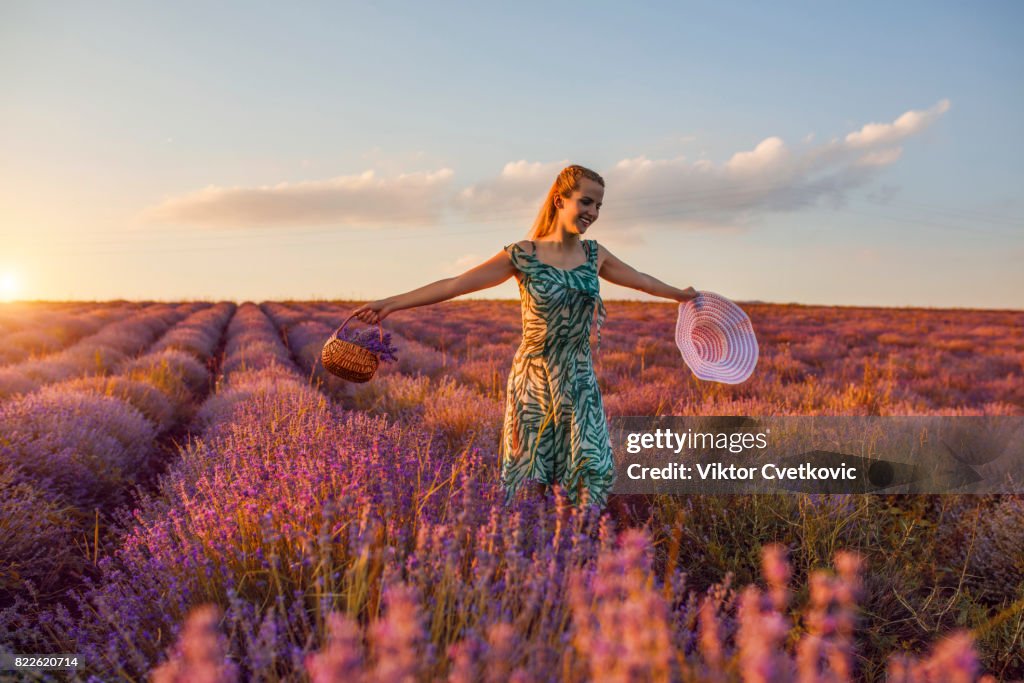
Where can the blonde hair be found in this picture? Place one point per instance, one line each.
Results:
(567, 182)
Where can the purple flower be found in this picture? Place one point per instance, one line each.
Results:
(370, 339)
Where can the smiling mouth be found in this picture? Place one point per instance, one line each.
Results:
(586, 221)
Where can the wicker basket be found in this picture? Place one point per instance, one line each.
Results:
(347, 360)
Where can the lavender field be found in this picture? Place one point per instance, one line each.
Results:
(188, 496)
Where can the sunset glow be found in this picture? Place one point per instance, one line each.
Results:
(758, 154)
(9, 288)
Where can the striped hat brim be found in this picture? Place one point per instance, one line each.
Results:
(716, 339)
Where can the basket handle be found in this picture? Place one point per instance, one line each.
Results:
(338, 331)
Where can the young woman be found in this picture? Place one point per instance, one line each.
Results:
(555, 430)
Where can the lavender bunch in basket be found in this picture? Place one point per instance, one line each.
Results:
(369, 339)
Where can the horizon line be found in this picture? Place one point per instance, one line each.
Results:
(753, 302)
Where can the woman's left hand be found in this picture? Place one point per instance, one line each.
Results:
(686, 295)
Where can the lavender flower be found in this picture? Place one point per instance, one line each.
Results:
(341, 658)
(398, 637)
(200, 654)
(370, 339)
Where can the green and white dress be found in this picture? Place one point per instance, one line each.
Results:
(555, 430)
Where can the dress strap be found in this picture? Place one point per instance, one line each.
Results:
(521, 259)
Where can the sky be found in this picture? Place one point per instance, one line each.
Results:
(864, 154)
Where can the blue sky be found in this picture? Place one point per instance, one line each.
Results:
(865, 154)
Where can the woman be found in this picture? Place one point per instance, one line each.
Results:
(555, 430)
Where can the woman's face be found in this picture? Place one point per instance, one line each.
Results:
(578, 212)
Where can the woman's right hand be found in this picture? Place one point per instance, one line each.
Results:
(374, 311)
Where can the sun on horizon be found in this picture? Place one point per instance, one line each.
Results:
(9, 285)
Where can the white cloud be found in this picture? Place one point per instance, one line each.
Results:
(674, 193)
(770, 153)
(516, 193)
(910, 123)
(643, 193)
(882, 157)
(349, 201)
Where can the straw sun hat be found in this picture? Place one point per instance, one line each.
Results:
(716, 339)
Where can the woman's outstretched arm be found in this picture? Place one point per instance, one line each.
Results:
(490, 273)
(619, 272)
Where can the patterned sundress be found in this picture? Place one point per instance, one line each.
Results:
(555, 428)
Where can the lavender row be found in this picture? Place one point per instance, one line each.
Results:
(275, 462)
(256, 363)
(16, 316)
(47, 331)
(84, 438)
(256, 368)
(164, 383)
(79, 444)
(97, 354)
